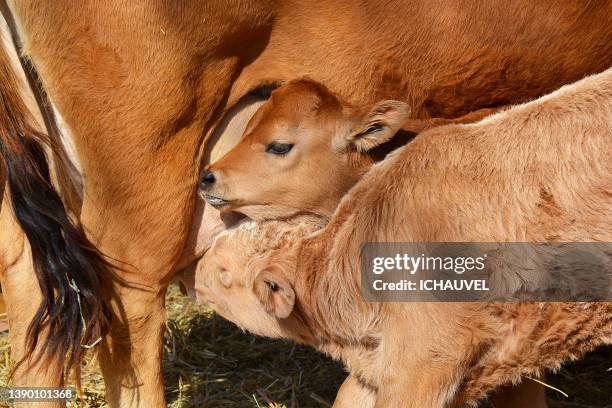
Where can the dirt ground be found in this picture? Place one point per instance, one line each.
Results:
(211, 363)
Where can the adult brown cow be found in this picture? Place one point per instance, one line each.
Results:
(142, 85)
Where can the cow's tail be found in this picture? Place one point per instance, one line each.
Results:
(73, 314)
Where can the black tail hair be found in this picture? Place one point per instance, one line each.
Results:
(73, 312)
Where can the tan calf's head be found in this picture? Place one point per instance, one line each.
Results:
(246, 281)
(301, 151)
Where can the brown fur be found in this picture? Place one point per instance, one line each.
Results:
(142, 85)
(482, 182)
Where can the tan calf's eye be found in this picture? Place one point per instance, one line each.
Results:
(272, 285)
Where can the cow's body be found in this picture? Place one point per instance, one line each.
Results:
(142, 85)
(538, 172)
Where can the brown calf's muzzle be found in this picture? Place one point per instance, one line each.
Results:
(207, 189)
(207, 179)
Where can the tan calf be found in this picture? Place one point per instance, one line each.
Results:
(537, 172)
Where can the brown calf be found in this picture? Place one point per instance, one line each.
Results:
(537, 172)
(303, 150)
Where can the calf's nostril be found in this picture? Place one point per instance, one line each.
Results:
(207, 179)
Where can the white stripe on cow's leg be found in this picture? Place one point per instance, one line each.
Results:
(73, 165)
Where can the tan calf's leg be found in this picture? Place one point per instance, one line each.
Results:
(22, 297)
(353, 394)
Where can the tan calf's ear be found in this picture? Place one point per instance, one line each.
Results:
(378, 125)
(274, 291)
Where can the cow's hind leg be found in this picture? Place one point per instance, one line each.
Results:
(131, 356)
(22, 297)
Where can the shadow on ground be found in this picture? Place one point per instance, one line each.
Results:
(211, 363)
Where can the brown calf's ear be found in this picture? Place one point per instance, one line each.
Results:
(274, 291)
(378, 125)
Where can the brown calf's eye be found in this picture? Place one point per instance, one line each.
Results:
(279, 148)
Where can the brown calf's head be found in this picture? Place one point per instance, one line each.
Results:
(301, 151)
(247, 277)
